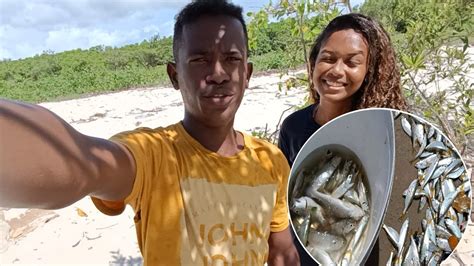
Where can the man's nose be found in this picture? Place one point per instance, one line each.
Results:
(218, 73)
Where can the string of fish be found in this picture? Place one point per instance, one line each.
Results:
(443, 187)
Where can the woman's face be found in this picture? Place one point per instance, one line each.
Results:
(341, 66)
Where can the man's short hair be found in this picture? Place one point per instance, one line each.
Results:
(199, 8)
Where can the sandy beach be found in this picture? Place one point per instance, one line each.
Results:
(80, 234)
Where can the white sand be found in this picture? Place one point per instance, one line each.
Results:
(67, 237)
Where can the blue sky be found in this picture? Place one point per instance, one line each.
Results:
(29, 27)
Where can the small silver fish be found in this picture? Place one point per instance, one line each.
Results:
(422, 203)
(402, 237)
(303, 204)
(427, 245)
(343, 227)
(324, 174)
(454, 163)
(451, 214)
(317, 216)
(355, 241)
(434, 260)
(456, 173)
(430, 171)
(443, 244)
(436, 146)
(321, 256)
(417, 133)
(297, 187)
(410, 193)
(447, 187)
(419, 193)
(425, 154)
(438, 136)
(431, 132)
(344, 187)
(392, 235)
(340, 175)
(424, 224)
(360, 229)
(364, 203)
(429, 216)
(304, 229)
(390, 259)
(326, 241)
(423, 141)
(460, 218)
(438, 172)
(435, 205)
(406, 126)
(424, 163)
(445, 161)
(448, 201)
(465, 186)
(453, 228)
(412, 258)
(338, 208)
(347, 257)
(351, 196)
(442, 232)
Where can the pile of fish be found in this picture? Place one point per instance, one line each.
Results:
(329, 209)
(443, 192)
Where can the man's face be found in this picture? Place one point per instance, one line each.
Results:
(211, 69)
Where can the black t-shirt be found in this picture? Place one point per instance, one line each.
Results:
(295, 131)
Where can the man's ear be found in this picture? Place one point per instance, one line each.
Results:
(249, 73)
(173, 74)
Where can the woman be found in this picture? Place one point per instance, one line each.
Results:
(353, 66)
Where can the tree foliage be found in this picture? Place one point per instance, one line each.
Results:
(101, 68)
(432, 40)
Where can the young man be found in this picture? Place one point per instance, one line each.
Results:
(202, 192)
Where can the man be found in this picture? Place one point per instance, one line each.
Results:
(203, 193)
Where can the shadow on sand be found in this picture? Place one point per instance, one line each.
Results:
(120, 260)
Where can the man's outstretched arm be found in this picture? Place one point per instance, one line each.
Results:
(282, 251)
(45, 163)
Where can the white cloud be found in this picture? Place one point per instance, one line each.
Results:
(51, 13)
(29, 27)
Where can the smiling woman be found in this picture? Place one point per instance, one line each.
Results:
(353, 66)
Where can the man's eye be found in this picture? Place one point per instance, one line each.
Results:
(198, 60)
(234, 58)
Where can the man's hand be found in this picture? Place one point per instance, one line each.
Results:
(282, 250)
(45, 163)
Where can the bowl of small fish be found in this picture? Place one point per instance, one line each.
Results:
(340, 185)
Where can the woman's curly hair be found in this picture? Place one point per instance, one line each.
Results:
(381, 86)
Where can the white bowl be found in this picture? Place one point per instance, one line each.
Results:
(368, 134)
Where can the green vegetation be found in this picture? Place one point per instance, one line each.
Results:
(73, 73)
(431, 39)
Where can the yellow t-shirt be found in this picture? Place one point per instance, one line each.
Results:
(195, 207)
